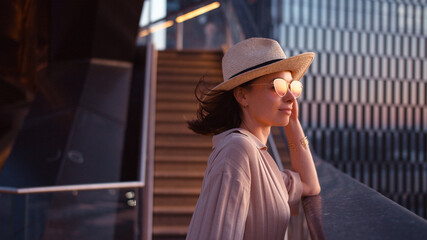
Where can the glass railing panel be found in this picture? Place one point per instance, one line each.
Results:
(160, 33)
(6, 216)
(205, 31)
(81, 215)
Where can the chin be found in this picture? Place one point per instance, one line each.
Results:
(283, 122)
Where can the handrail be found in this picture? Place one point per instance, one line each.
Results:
(361, 213)
(74, 187)
(348, 209)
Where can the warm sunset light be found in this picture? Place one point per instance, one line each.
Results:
(180, 19)
(161, 26)
(197, 12)
(144, 33)
(156, 28)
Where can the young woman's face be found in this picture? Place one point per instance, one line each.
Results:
(264, 105)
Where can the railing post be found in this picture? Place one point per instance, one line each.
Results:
(147, 143)
(179, 35)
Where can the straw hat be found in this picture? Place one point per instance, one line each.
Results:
(255, 57)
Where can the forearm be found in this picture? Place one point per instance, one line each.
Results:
(301, 158)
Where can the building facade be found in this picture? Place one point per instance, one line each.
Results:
(364, 105)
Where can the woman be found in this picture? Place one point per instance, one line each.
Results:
(244, 195)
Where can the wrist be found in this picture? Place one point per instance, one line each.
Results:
(293, 123)
(294, 131)
(294, 146)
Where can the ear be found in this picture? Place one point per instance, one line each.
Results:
(240, 94)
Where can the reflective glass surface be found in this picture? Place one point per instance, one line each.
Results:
(80, 215)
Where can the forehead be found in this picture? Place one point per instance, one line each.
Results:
(287, 75)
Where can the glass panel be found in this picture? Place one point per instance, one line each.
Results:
(81, 215)
(98, 214)
(6, 216)
(206, 31)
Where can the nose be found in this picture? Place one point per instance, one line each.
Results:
(289, 97)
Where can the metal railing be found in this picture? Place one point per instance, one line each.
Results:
(148, 141)
(348, 209)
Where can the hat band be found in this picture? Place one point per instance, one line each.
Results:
(256, 66)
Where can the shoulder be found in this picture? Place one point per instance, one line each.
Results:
(239, 143)
(235, 154)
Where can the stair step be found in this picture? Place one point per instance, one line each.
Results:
(179, 128)
(180, 166)
(178, 182)
(191, 55)
(180, 154)
(196, 60)
(184, 152)
(184, 98)
(180, 158)
(170, 230)
(176, 106)
(169, 80)
(174, 117)
(176, 96)
(180, 163)
(177, 80)
(176, 196)
(168, 179)
(172, 219)
(178, 124)
(187, 79)
(176, 87)
(193, 63)
(177, 191)
(163, 215)
(173, 209)
(176, 174)
(188, 71)
(186, 139)
(182, 143)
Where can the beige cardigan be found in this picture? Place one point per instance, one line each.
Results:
(244, 195)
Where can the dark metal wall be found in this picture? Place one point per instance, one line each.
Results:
(65, 76)
(78, 118)
(23, 57)
(364, 105)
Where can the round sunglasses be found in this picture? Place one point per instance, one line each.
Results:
(281, 87)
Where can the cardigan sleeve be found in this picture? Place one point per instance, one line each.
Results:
(294, 187)
(222, 208)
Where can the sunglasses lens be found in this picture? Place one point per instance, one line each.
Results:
(296, 88)
(280, 86)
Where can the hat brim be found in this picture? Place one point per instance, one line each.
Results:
(297, 65)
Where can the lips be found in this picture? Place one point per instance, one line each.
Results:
(286, 110)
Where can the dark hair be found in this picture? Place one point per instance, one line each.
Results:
(218, 111)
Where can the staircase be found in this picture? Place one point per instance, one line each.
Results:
(180, 154)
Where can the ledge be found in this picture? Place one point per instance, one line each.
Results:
(348, 209)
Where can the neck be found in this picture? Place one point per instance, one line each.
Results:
(261, 132)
